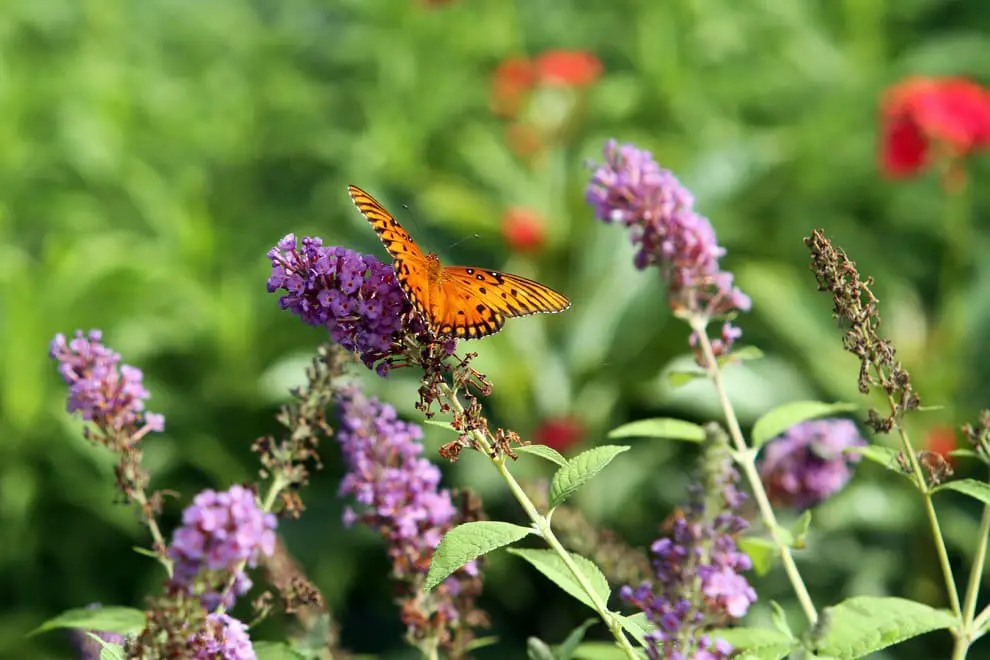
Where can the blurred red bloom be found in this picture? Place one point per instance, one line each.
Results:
(513, 79)
(524, 139)
(559, 432)
(568, 68)
(522, 229)
(941, 440)
(953, 113)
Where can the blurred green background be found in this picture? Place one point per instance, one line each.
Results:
(152, 152)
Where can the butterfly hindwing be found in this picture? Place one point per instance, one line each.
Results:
(465, 313)
(484, 299)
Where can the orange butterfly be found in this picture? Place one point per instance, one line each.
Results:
(455, 301)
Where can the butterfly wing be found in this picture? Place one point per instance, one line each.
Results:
(474, 302)
(409, 262)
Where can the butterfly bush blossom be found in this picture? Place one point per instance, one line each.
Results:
(220, 534)
(222, 637)
(398, 490)
(105, 392)
(806, 465)
(355, 296)
(698, 585)
(631, 189)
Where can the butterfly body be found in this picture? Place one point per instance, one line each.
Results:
(463, 302)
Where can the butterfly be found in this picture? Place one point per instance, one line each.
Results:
(462, 302)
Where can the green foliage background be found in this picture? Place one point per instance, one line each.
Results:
(152, 152)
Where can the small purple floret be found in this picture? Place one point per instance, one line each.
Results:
(697, 567)
(356, 297)
(806, 465)
(631, 189)
(222, 638)
(398, 490)
(218, 532)
(103, 391)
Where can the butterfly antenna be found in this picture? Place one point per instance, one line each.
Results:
(466, 238)
(412, 216)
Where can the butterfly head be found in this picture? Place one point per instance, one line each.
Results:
(434, 269)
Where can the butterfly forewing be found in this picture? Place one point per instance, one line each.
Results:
(396, 240)
(408, 260)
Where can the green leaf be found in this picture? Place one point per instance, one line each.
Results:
(145, 551)
(276, 651)
(108, 650)
(800, 530)
(667, 428)
(637, 625)
(544, 452)
(761, 551)
(758, 643)
(783, 417)
(551, 565)
(746, 353)
(885, 456)
(678, 378)
(580, 470)
(865, 624)
(469, 541)
(976, 489)
(537, 649)
(121, 620)
(481, 642)
(930, 408)
(964, 453)
(573, 640)
(441, 424)
(599, 651)
(779, 618)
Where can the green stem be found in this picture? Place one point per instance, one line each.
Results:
(922, 484)
(747, 461)
(543, 527)
(976, 574)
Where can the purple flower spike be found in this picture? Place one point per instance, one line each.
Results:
(630, 188)
(105, 392)
(806, 465)
(222, 638)
(398, 489)
(218, 532)
(356, 297)
(698, 585)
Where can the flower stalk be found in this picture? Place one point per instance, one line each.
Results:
(746, 459)
(542, 525)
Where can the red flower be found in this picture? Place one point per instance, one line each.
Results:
(952, 113)
(559, 433)
(524, 139)
(522, 229)
(568, 68)
(941, 440)
(513, 80)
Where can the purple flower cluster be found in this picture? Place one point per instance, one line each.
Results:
(632, 189)
(222, 638)
(698, 584)
(386, 473)
(806, 465)
(220, 533)
(105, 392)
(356, 297)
